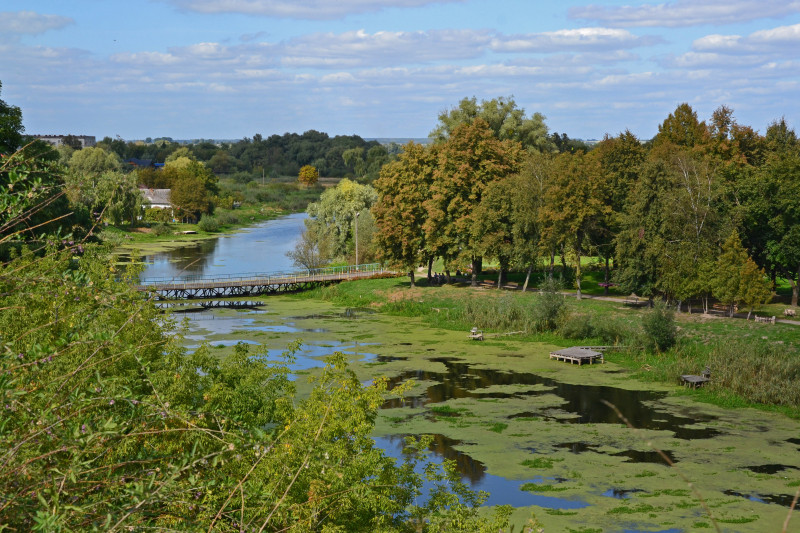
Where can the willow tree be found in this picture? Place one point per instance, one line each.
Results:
(335, 213)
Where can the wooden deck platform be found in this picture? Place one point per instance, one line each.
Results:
(577, 354)
(694, 381)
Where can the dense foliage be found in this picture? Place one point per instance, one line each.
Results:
(703, 210)
(277, 155)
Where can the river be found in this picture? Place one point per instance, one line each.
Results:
(258, 248)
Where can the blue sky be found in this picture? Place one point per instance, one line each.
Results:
(386, 68)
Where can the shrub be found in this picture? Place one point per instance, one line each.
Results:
(208, 223)
(226, 218)
(162, 229)
(660, 332)
(550, 307)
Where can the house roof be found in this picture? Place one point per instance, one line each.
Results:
(157, 196)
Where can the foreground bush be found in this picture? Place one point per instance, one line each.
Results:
(109, 424)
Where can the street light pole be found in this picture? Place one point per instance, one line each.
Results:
(357, 213)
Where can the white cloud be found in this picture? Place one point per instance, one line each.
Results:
(780, 40)
(682, 13)
(31, 23)
(361, 49)
(306, 9)
(581, 38)
(149, 59)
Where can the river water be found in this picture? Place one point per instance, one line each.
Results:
(259, 248)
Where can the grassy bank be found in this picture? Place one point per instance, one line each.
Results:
(752, 364)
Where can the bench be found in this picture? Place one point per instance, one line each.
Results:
(789, 312)
(475, 334)
(693, 381)
(765, 319)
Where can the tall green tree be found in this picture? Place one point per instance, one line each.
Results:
(403, 188)
(682, 128)
(504, 118)
(737, 278)
(471, 158)
(493, 231)
(576, 204)
(620, 158)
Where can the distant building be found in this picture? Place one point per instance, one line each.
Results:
(139, 163)
(57, 140)
(158, 198)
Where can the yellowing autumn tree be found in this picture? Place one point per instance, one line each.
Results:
(308, 175)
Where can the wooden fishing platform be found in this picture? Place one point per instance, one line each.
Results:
(694, 381)
(577, 354)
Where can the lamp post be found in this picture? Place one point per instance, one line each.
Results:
(356, 219)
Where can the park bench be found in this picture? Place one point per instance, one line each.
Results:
(691, 380)
(766, 319)
(789, 313)
(476, 334)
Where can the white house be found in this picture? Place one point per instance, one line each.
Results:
(157, 198)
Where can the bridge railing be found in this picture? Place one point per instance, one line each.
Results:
(365, 269)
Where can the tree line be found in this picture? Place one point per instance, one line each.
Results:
(277, 155)
(704, 209)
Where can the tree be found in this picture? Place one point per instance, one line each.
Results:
(335, 212)
(309, 252)
(11, 127)
(192, 186)
(119, 197)
(575, 204)
(308, 175)
(504, 118)
(403, 188)
(682, 128)
(756, 288)
(729, 284)
(493, 228)
(620, 158)
(32, 199)
(93, 161)
(527, 199)
(471, 158)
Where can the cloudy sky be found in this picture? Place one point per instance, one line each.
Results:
(386, 68)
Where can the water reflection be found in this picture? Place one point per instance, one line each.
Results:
(785, 500)
(502, 491)
(259, 248)
(581, 402)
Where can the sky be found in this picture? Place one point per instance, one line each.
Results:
(228, 69)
